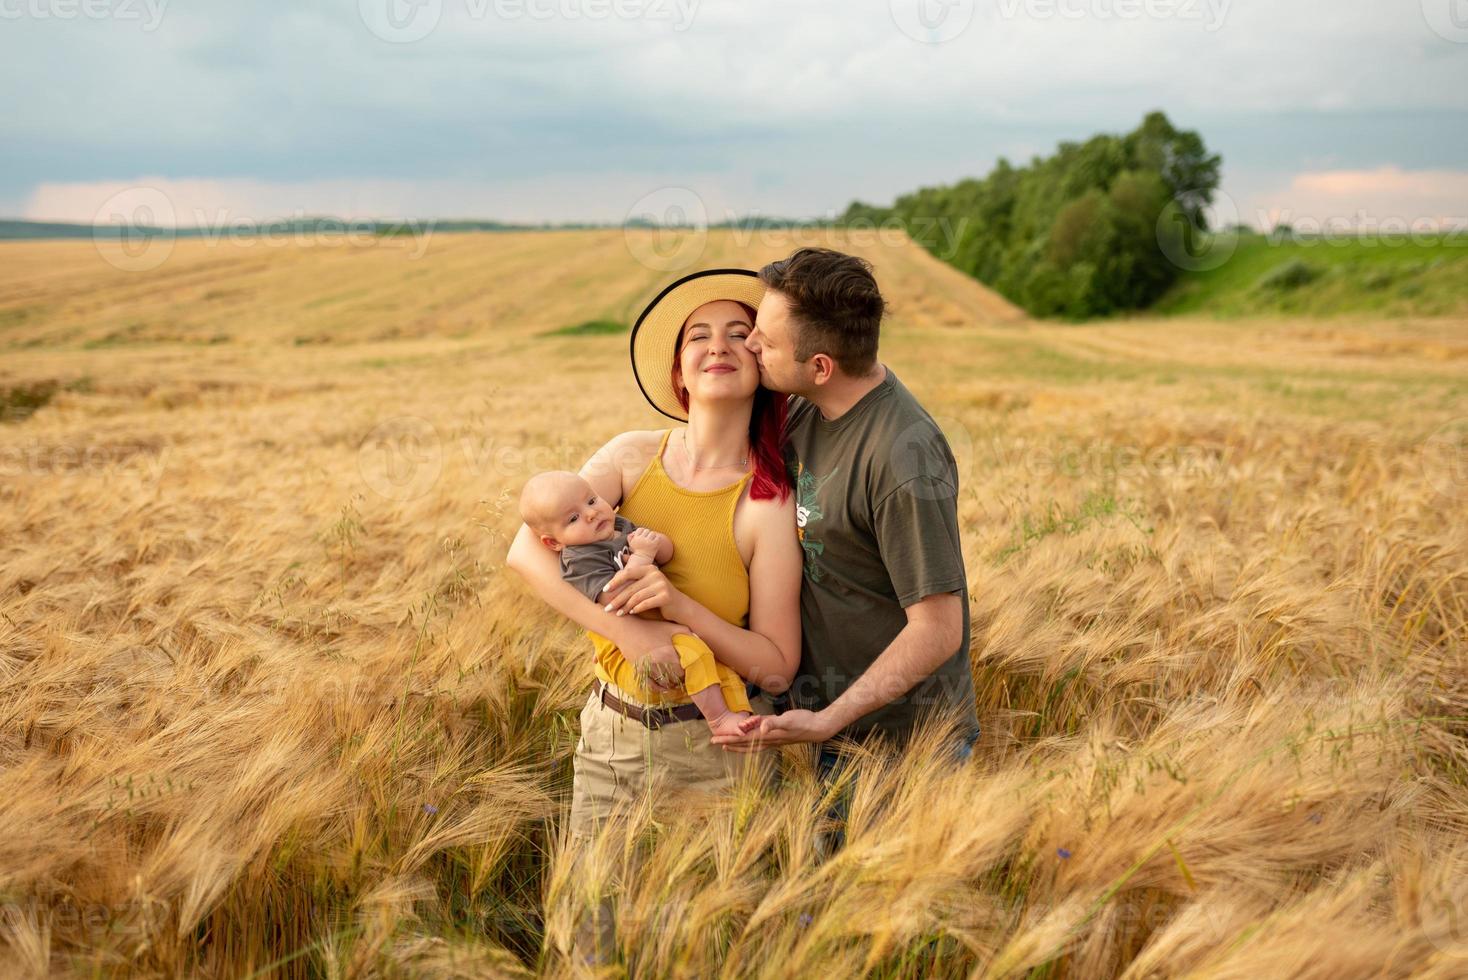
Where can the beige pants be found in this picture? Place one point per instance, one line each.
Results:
(620, 763)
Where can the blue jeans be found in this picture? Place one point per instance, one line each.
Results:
(830, 764)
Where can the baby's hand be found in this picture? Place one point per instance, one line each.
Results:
(644, 542)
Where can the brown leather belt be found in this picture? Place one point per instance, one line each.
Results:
(652, 718)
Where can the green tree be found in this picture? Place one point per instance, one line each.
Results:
(1075, 234)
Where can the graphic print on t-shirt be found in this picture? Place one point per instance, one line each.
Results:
(808, 511)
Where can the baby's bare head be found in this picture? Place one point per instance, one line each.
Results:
(563, 509)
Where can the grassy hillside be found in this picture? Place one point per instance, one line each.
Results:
(63, 294)
(271, 705)
(1316, 278)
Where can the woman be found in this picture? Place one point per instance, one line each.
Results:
(717, 487)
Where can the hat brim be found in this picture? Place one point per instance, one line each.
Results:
(656, 330)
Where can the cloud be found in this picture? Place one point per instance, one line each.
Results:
(1366, 198)
(776, 106)
(221, 204)
(1343, 198)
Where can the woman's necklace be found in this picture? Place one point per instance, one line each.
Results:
(700, 469)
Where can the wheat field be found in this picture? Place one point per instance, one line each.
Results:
(270, 704)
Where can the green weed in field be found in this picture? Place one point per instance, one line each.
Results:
(591, 328)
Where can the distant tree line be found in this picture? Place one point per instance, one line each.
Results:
(1097, 228)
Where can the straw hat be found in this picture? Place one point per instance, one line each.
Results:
(656, 330)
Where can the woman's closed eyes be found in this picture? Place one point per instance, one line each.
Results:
(701, 334)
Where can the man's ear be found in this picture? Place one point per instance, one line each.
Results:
(823, 367)
(550, 542)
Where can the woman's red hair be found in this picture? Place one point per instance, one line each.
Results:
(766, 432)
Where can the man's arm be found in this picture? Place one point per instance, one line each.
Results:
(933, 632)
(916, 530)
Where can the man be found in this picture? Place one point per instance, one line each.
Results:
(884, 599)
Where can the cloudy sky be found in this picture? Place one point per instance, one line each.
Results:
(562, 110)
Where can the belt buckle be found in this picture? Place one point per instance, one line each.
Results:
(649, 715)
(645, 715)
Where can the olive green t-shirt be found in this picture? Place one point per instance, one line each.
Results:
(877, 513)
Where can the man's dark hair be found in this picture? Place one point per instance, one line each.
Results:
(834, 303)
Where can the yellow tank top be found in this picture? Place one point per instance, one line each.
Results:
(706, 565)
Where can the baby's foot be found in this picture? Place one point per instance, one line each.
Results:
(728, 722)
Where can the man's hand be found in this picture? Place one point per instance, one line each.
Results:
(638, 588)
(767, 731)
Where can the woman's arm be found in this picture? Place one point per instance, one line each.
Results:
(638, 639)
(768, 653)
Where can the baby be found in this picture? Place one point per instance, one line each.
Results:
(595, 543)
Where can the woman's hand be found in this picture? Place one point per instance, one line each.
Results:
(648, 646)
(662, 670)
(766, 731)
(638, 588)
